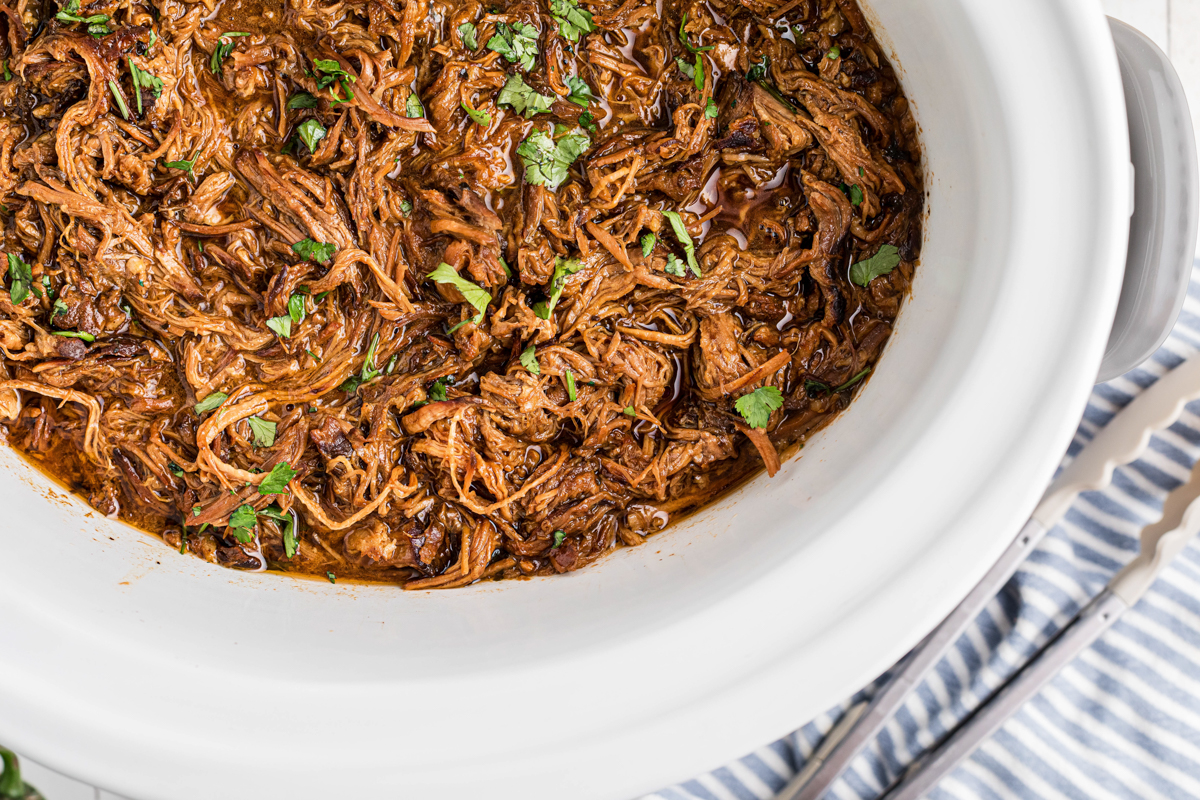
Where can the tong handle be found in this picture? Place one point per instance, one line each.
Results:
(1121, 441)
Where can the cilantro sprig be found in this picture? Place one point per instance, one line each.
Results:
(757, 406)
(473, 294)
(563, 267)
(20, 278)
(522, 98)
(685, 239)
(224, 47)
(547, 161)
(518, 43)
(573, 21)
(581, 93)
(312, 250)
(529, 360)
(883, 262)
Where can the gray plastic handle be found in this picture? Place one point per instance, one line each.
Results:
(1162, 231)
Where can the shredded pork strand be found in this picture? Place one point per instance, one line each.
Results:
(291, 287)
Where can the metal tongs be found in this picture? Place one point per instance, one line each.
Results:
(1120, 442)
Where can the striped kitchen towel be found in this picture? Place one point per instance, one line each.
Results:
(1122, 721)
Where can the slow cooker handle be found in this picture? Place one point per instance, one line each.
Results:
(1166, 203)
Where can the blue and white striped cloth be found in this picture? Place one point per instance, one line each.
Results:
(1122, 722)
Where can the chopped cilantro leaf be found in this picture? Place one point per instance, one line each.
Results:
(563, 267)
(210, 402)
(648, 244)
(572, 20)
(302, 100)
(312, 250)
(311, 132)
(588, 120)
(277, 479)
(469, 37)
(581, 93)
(711, 111)
(413, 108)
(529, 360)
(685, 239)
(296, 308)
(522, 98)
(883, 262)
(757, 406)
(518, 43)
(20, 277)
(282, 326)
(437, 390)
(674, 266)
(473, 294)
(481, 117)
(558, 540)
(547, 161)
(224, 48)
(263, 430)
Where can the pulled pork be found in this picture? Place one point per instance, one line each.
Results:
(432, 291)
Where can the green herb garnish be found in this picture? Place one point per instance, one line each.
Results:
(187, 165)
(558, 540)
(210, 402)
(312, 250)
(529, 360)
(301, 100)
(883, 262)
(20, 278)
(242, 523)
(473, 294)
(481, 117)
(834, 53)
(87, 337)
(648, 244)
(570, 386)
(685, 239)
(116, 93)
(573, 21)
(523, 98)
(413, 108)
(263, 430)
(547, 161)
(277, 479)
(144, 80)
(311, 132)
(684, 39)
(296, 308)
(469, 37)
(711, 111)
(757, 406)
(224, 48)
(588, 120)
(518, 43)
(581, 93)
(563, 267)
(437, 390)
(282, 326)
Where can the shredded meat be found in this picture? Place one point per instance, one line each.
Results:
(289, 286)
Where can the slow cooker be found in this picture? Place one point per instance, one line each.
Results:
(157, 675)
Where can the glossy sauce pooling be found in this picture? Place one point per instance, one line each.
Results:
(430, 292)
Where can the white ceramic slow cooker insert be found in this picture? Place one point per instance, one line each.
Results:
(157, 675)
